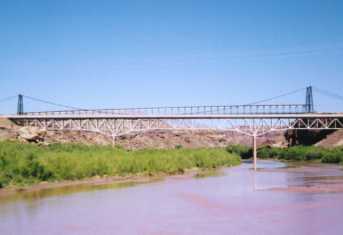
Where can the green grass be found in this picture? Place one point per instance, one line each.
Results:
(25, 164)
(296, 153)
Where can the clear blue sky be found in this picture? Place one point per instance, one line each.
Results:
(146, 53)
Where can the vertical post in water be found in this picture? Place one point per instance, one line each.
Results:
(20, 106)
(255, 151)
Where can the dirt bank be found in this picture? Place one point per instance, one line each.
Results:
(94, 182)
(334, 139)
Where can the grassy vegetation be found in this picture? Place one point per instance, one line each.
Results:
(23, 164)
(296, 153)
(303, 153)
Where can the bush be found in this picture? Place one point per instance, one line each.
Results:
(241, 150)
(334, 156)
(303, 153)
(269, 152)
(178, 146)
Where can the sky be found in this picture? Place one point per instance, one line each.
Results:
(105, 54)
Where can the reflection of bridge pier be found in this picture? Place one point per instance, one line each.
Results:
(255, 150)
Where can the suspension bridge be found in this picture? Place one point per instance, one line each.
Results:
(253, 119)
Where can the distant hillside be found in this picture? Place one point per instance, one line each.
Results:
(170, 138)
(139, 140)
(194, 139)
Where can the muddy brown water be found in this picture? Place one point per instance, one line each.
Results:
(274, 200)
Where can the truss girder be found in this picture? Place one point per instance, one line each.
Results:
(117, 127)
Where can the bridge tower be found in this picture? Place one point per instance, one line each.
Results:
(309, 100)
(20, 106)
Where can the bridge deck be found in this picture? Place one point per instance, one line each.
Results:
(180, 116)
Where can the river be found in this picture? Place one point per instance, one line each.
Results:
(273, 200)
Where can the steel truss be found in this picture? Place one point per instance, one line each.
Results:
(117, 126)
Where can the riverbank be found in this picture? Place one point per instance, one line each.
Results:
(24, 165)
(96, 182)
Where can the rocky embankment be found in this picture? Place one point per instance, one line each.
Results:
(10, 131)
(193, 139)
(148, 139)
(332, 140)
(167, 138)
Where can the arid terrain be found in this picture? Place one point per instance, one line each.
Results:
(164, 138)
(138, 140)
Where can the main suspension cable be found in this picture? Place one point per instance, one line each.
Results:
(329, 94)
(51, 103)
(279, 96)
(8, 98)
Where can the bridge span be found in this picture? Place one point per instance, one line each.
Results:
(119, 124)
(251, 119)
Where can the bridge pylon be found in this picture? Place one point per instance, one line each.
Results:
(20, 106)
(309, 100)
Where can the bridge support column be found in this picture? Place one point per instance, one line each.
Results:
(255, 151)
(20, 106)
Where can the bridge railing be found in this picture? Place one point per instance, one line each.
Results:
(186, 110)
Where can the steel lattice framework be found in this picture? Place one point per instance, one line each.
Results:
(116, 125)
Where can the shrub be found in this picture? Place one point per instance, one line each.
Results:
(178, 146)
(334, 156)
(268, 152)
(241, 150)
(303, 153)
